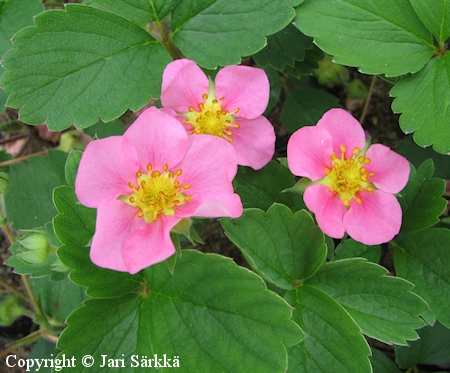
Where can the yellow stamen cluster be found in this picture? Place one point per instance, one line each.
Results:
(210, 118)
(349, 177)
(156, 192)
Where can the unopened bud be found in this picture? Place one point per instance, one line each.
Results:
(35, 247)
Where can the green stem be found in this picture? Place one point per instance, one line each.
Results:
(14, 290)
(369, 96)
(40, 316)
(30, 338)
(167, 42)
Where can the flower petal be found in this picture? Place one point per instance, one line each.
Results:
(376, 220)
(159, 139)
(116, 221)
(344, 130)
(183, 85)
(106, 168)
(328, 208)
(209, 176)
(150, 244)
(254, 142)
(245, 88)
(391, 169)
(309, 152)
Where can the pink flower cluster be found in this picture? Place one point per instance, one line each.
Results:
(353, 185)
(174, 163)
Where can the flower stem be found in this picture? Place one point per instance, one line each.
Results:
(21, 159)
(369, 96)
(14, 290)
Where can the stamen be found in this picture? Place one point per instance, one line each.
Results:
(370, 189)
(205, 96)
(343, 148)
(187, 186)
(178, 172)
(358, 200)
(366, 160)
(143, 184)
(131, 185)
(361, 159)
(165, 167)
(356, 151)
(236, 110)
(139, 174)
(131, 199)
(149, 167)
(140, 214)
(346, 202)
(333, 156)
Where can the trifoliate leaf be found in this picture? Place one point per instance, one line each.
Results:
(213, 315)
(137, 10)
(14, 16)
(28, 202)
(432, 348)
(382, 37)
(305, 106)
(58, 299)
(333, 342)
(75, 227)
(284, 48)
(283, 247)
(381, 363)
(352, 249)
(81, 64)
(435, 15)
(424, 259)
(383, 306)
(422, 99)
(421, 200)
(264, 187)
(220, 32)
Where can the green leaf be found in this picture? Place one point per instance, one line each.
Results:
(333, 341)
(382, 37)
(424, 259)
(262, 188)
(422, 99)
(28, 202)
(432, 348)
(282, 247)
(138, 10)
(220, 32)
(102, 130)
(275, 88)
(435, 15)
(382, 306)
(421, 200)
(352, 249)
(75, 227)
(212, 314)
(381, 363)
(14, 16)
(306, 67)
(305, 106)
(417, 155)
(284, 48)
(58, 299)
(71, 168)
(82, 64)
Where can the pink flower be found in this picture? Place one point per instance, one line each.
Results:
(144, 182)
(231, 107)
(352, 186)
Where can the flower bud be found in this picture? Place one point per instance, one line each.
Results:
(35, 247)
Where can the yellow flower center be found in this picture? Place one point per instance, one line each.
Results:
(156, 193)
(210, 118)
(348, 177)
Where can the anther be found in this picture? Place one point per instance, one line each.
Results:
(191, 109)
(131, 199)
(214, 101)
(343, 148)
(236, 110)
(187, 198)
(366, 160)
(149, 167)
(165, 167)
(346, 202)
(143, 184)
(333, 156)
(140, 214)
(361, 159)
(187, 186)
(139, 174)
(178, 172)
(358, 200)
(356, 151)
(205, 96)
(370, 189)
(131, 185)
